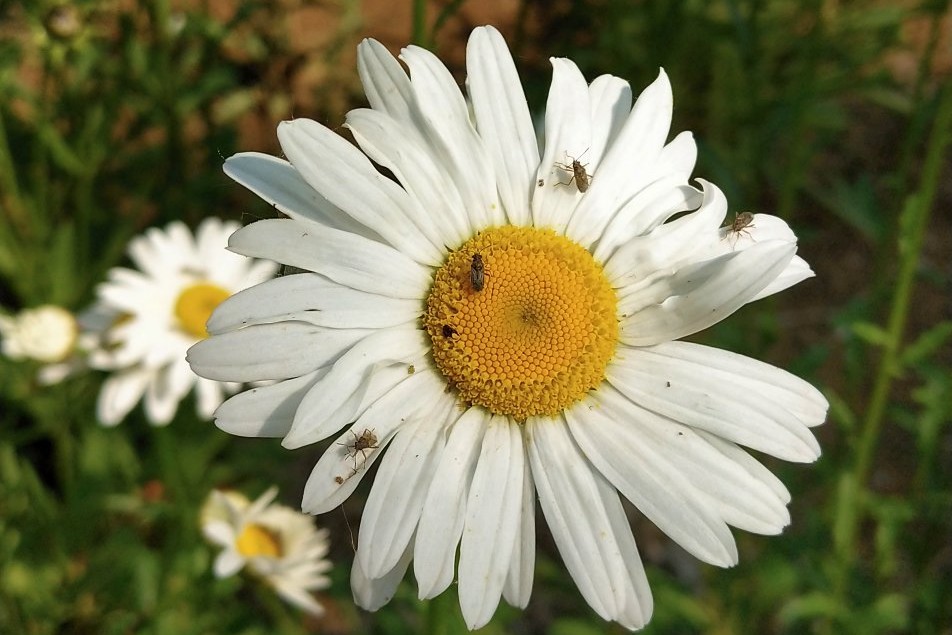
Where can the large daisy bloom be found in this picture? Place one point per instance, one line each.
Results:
(160, 310)
(497, 322)
(275, 543)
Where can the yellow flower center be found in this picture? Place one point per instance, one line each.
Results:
(195, 305)
(256, 540)
(526, 327)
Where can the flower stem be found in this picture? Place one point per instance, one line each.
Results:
(913, 223)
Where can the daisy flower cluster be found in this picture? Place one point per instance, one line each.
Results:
(273, 542)
(498, 323)
(158, 310)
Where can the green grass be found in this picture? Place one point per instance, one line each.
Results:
(834, 116)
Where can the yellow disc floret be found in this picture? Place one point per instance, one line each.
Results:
(256, 540)
(195, 305)
(523, 321)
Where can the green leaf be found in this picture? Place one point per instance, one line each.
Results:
(870, 333)
(926, 344)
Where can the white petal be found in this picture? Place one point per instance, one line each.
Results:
(695, 296)
(228, 563)
(797, 271)
(518, 587)
(735, 397)
(493, 518)
(445, 116)
(270, 351)
(441, 522)
(344, 257)
(279, 184)
(380, 360)
(120, 393)
(345, 176)
(340, 469)
(266, 411)
(371, 594)
(396, 499)
(568, 136)
(440, 211)
(586, 520)
(502, 117)
(647, 479)
(314, 299)
(165, 391)
(610, 98)
(385, 82)
(629, 163)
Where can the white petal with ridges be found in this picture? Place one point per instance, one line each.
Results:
(628, 164)
(270, 351)
(345, 258)
(266, 411)
(441, 522)
(503, 120)
(699, 295)
(580, 511)
(735, 397)
(396, 499)
(382, 358)
(444, 116)
(345, 176)
(339, 470)
(280, 185)
(518, 587)
(493, 519)
(371, 594)
(441, 213)
(568, 134)
(385, 82)
(648, 480)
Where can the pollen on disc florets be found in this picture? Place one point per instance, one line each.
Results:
(539, 332)
(195, 305)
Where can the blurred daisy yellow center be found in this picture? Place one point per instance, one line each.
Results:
(195, 305)
(256, 540)
(522, 320)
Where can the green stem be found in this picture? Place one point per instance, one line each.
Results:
(914, 221)
(419, 23)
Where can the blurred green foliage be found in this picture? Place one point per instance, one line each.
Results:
(115, 116)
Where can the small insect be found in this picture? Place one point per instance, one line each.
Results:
(540, 182)
(581, 177)
(739, 225)
(411, 369)
(448, 331)
(367, 440)
(477, 273)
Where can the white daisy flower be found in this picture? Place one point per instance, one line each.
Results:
(276, 543)
(161, 310)
(504, 335)
(47, 333)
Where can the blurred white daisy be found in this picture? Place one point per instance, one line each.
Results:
(492, 332)
(47, 333)
(275, 543)
(160, 310)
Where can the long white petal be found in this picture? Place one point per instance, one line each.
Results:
(580, 509)
(568, 135)
(292, 297)
(371, 594)
(493, 518)
(445, 115)
(518, 587)
(396, 499)
(341, 468)
(345, 176)
(738, 398)
(441, 213)
(346, 258)
(266, 411)
(270, 351)
(381, 359)
(503, 119)
(441, 522)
